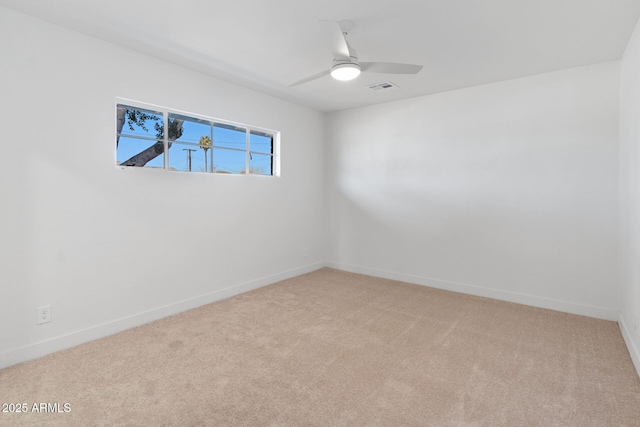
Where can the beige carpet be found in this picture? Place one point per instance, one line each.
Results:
(338, 349)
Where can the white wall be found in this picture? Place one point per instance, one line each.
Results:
(111, 248)
(630, 196)
(508, 190)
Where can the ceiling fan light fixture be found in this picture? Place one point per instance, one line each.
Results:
(344, 72)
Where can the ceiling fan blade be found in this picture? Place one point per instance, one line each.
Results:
(390, 68)
(310, 78)
(339, 46)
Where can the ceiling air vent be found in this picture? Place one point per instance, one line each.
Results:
(379, 87)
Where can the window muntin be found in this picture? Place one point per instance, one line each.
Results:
(193, 144)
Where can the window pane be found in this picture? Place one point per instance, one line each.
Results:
(139, 152)
(193, 130)
(189, 158)
(141, 122)
(227, 136)
(260, 142)
(229, 161)
(261, 164)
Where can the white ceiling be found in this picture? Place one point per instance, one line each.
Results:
(269, 44)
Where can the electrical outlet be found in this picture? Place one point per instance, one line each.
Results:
(636, 325)
(44, 314)
(305, 253)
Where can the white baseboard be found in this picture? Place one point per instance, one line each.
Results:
(52, 345)
(535, 301)
(628, 340)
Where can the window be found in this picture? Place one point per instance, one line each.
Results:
(166, 139)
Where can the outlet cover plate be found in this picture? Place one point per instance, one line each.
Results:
(44, 314)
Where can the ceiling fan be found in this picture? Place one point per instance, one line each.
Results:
(345, 60)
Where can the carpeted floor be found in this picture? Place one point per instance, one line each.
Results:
(338, 349)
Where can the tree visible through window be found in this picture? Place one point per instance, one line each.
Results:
(191, 144)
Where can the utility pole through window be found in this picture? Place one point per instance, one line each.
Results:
(189, 151)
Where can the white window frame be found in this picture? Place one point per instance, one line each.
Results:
(165, 111)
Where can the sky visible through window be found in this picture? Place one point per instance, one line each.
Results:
(227, 154)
